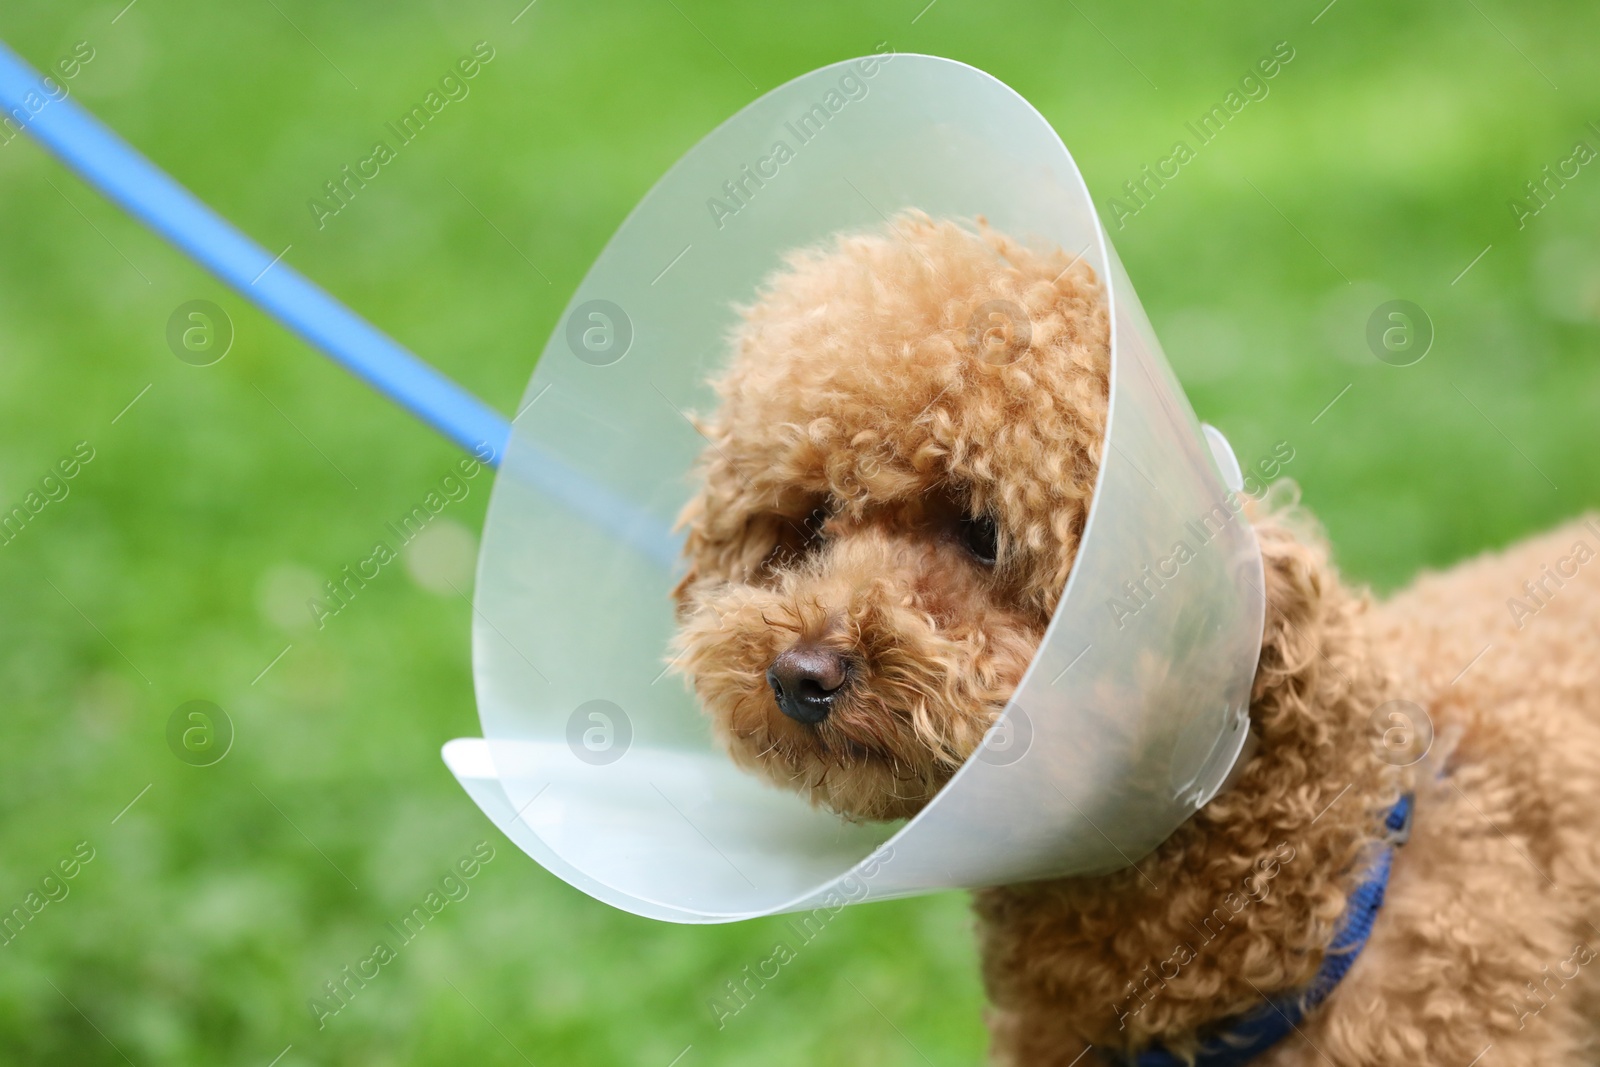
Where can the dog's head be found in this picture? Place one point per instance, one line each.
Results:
(894, 490)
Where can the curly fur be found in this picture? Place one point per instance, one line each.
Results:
(863, 419)
(860, 402)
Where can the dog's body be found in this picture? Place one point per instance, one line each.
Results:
(1485, 937)
(892, 503)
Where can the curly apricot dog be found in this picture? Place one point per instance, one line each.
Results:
(891, 504)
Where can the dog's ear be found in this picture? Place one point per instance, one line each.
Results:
(680, 592)
(680, 596)
(723, 540)
(1303, 612)
(689, 519)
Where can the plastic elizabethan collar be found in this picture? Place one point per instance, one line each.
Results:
(598, 763)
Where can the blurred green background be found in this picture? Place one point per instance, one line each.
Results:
(1379, 167)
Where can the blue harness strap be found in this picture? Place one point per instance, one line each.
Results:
(1246, 1036)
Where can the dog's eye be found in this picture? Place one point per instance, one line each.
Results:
(979, 536)
(814, 523)
(795, 538)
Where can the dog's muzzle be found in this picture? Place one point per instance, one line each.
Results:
(806, 679)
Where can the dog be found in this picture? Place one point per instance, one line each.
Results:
(897, 477)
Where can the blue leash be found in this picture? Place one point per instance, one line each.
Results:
(1247, 1036)
(111, 165)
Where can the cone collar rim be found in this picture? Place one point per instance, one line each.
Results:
(1102, 257)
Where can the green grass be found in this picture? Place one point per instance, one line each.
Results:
(1380, 165)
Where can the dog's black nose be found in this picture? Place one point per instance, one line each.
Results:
(806, 679)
